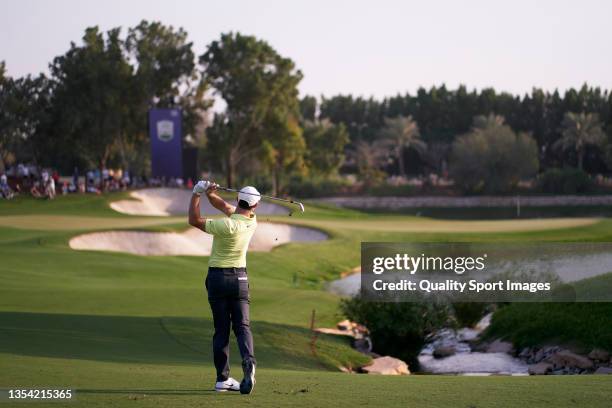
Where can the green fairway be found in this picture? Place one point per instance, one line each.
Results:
(126, 330)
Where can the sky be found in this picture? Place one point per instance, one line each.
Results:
(366, 48)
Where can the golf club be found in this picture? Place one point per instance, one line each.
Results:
(265, 196)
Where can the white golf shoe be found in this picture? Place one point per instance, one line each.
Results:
(228, 385)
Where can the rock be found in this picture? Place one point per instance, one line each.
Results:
(363, 345)
(387, 366)
(604, 370)
(443, 351)
(540, 368)
(525, 353)
(544, 353)
(599, 355)
(480, 347)
(566, 358)
(539, 355)
(500, 346)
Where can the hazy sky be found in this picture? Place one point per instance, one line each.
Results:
(365, 48)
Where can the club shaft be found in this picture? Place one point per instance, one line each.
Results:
(259, 195)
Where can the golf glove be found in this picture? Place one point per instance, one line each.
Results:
(201, 187)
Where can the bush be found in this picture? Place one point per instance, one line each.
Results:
(262, 182)
(316, 187)
(585, 325)
(491, 158)
(469, 313)
(397, 329)
(564, 181)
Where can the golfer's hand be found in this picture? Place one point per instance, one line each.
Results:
(201, 187)
(212, 187)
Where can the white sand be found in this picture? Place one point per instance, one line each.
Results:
(174, 201)
(190, 242)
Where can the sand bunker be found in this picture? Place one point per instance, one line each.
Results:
(174, 201)
(190, 242)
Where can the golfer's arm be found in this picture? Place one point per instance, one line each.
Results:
(194, 213)
(220, 204)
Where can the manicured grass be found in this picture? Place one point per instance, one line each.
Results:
(128, 330)
(79, 222)
(103, 384)
(71, 204)
(500, 213)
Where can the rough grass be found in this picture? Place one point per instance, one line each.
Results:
(580, 325)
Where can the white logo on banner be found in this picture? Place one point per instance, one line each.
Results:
(165, 130)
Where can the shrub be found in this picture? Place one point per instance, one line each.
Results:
(491, 158)
(564, 181)
(469, 313)
(397, 329)
(585, 325)
(316, 187)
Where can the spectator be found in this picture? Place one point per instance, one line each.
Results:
(125, 180)
(5, 190)
(48, 185)
(75, 176)
(89, 180)
(37, 190)
(56, 181)
(105, 179)
(21, 171)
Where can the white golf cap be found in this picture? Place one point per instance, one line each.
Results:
(250, 195)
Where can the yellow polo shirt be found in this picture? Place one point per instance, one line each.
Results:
(231, 237)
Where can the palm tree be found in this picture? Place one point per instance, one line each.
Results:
(579, 130)
(402, 133)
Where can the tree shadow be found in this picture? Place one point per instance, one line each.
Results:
(147, 340)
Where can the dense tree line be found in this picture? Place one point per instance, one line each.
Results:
(442, 115)
(91, 111)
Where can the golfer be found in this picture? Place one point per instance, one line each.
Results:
(227, 281)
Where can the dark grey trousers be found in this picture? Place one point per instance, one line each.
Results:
(228, 295)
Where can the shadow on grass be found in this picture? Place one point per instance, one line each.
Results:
(166, 340)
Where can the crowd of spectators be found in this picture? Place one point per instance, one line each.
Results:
(47, 183)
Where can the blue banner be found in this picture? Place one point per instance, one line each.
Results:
(166, 149)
